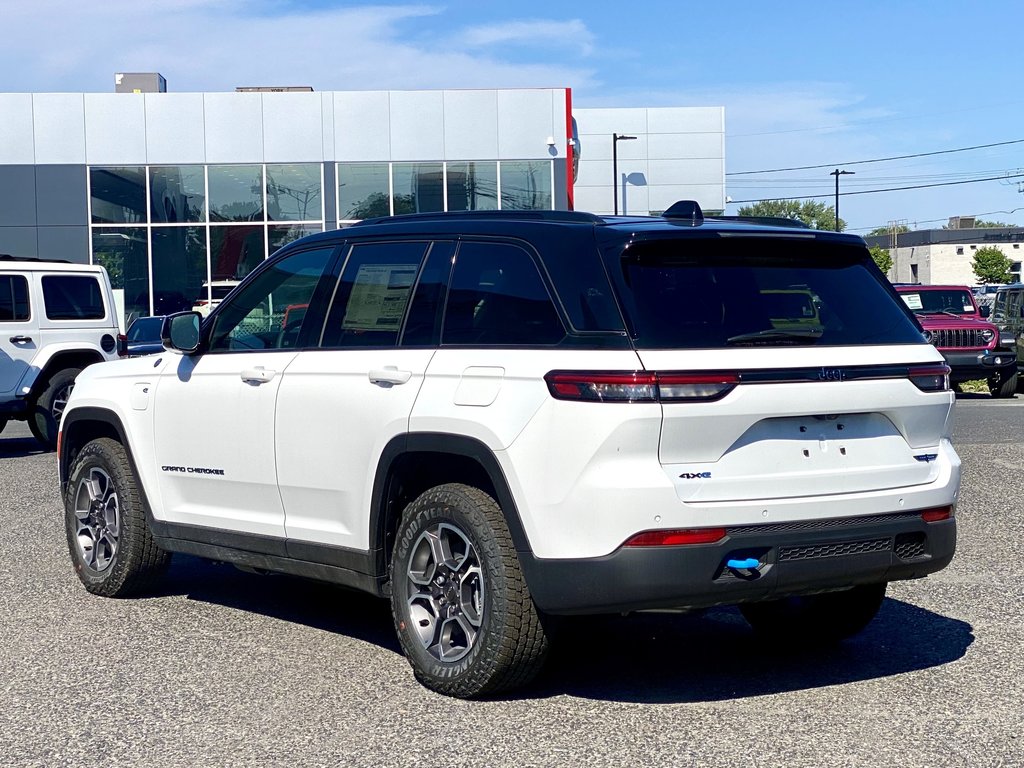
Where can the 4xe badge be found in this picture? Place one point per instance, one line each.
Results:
(695, 475)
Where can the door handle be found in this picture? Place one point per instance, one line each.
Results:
(257, 375)
(21, 339)
(389, 374)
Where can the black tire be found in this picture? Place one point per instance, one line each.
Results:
(816, 619)
(45, 411)
(1004, 388)
(509, 646)
(111, 546)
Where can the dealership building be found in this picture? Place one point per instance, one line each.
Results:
(179, 194)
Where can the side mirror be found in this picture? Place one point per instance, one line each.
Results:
(985, 310)
(181, 332)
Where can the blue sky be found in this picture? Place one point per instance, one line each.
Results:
(802, 83)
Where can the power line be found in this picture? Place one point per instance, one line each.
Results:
(874, 191)
(880, 159)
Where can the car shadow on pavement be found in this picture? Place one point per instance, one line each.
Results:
(715, 656)
(18, 447)
(648, 657)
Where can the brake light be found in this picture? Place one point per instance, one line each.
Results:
(937, 514)
(676, 537)
(930, 378)
(122, 345)
(639, 386)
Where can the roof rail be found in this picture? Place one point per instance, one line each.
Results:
(685, 212)
(775, 221)
(8, 257)
(576, 217)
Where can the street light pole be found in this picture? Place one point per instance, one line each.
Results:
(837, 173)
(616, 138)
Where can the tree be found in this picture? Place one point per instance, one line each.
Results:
(878, 231)
(882, 258)
(814, 214)
(991, 265)
(982, 224)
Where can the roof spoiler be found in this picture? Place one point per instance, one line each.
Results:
(685, 212)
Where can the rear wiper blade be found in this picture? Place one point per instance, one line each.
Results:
(769, 335)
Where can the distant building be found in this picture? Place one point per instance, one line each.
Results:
(946, 256)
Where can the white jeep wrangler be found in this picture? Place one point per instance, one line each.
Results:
(495, 418)
(55, 319)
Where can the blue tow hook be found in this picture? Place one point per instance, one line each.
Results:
(749, 564)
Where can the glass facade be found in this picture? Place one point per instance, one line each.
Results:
(170, 235)
(366, 190)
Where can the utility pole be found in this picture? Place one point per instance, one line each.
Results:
(837, 173)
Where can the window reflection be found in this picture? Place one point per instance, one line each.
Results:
(472, 186)
(419, 187)
(122, 251)
(177, 193)
(118, 195)
(293, 192)
(526, 185)
(236, 193)
(363, 191)
(280, 236)
(235, 251)
(179, 265)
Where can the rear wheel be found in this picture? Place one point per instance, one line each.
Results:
(48, 407)
(816, 619)
(111, 547)
(1003, 387)
(463, 613)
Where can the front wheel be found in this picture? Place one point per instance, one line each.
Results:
(48, 406)
(111, 547)
(462, 610)
(1003, 387)
(816, 619)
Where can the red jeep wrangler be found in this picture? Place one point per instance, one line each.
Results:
(971, 345)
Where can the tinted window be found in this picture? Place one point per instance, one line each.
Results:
(269, 312)
(372, 296)
(702, 294)
(13, 298)
(938, 302)
(498, 298)
(73, 297)
(146, 329)
(423, 323)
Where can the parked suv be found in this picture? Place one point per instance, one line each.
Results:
(55, 319)
(496, 418)
(970, 344)
(1008, 316)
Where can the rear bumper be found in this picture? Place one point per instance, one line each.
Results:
(967, 366)
(793, 558)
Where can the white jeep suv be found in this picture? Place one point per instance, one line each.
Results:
(55, 319)
(494, 418)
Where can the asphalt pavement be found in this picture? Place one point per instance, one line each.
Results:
(224, 668)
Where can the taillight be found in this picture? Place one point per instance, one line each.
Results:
(122, 345)
(676, 537)
(937, 514)
(639, 386)
(930, 378)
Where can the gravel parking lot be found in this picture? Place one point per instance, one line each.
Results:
(229, 668)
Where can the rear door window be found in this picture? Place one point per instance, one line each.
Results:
(73, 297)
(744, 292)
(14, 299)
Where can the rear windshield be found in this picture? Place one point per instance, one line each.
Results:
(742, 292)
(950, 302)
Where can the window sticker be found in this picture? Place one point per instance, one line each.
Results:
(912, 300)
(379, 295)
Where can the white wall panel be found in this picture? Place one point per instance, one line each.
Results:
(362, 126)
(609, 121)
(17, 145)
(417, 125)
(708, 195)
(327, 125)
(115, 129)
(175, 128)
(234, 127)
(688, 119)
(292, 128)
(524, 124)
(470, 125)
(58, 121)
(680, 146)
(685, 171)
